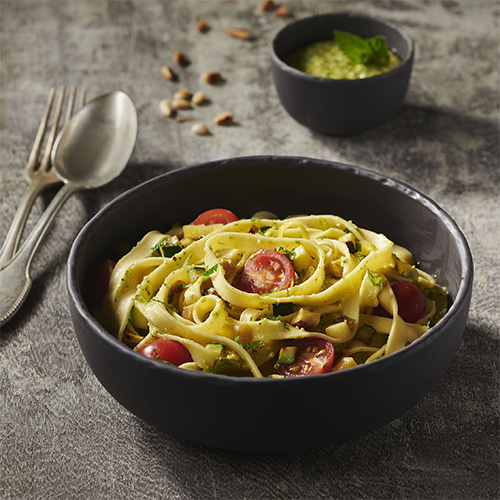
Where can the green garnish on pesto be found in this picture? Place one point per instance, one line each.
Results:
(346, 56)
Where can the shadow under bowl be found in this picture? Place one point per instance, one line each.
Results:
(340, 107)
(269, 415)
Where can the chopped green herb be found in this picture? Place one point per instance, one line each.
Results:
(210, 271)
(219, 364)
(172, 308)
(253, 345)
(289, 253)
(186, 262)
(373, 279)
(162, 360)
(271, 317)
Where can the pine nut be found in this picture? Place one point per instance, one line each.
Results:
(166, 108)
(180, 58)
(183, 93)
(198, 98)
(282, 11)
(168, 73)
(267, 5)
(212, 77)
(240, 33)
(202, 26)
(225, 118)
(181, 103)
(199, 129)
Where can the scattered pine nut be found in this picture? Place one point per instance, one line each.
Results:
(240, 33)
(199, 129)
(225, 118)
(282, 11)
(198, 98)
(168, 73)
(181, 103)
(267, 5)
(212, 77)
(180, 58)
(183, 93)
(166, 108)
(202, 26)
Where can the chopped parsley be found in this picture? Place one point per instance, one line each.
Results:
(289, 253)
(161, 360)
(375, 280)
(219, 364)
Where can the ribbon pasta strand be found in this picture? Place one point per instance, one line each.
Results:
(342, 273)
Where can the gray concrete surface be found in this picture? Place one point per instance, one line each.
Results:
(61, 434)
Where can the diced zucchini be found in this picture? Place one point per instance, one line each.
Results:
(301, 259)
(287, 355)
(282, 309)
(344, 363)
(365, 333)
(217, 349)
(170, 250)
(137, 318)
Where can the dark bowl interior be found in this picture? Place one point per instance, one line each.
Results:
(340, 107)
(249, 414)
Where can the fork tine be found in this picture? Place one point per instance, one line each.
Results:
(69, 110)
(82, 98)
(35, 150)
(45, 163)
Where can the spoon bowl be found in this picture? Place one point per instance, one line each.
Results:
(89, 152)
(97, 143)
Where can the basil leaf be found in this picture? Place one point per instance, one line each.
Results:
(353, 46)
(379, 49)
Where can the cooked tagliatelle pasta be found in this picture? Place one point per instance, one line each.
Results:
(268, 297)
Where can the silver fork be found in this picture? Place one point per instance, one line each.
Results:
(39, 170)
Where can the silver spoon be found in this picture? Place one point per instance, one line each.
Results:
(89, 152)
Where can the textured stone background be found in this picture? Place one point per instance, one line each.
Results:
(61, 433)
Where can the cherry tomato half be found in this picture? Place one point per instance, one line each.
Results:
(265, 272)
(314, 356)
(167, 350)
(411, 302)
(215, 216)
(99, 282)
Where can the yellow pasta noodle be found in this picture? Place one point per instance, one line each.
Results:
(185, 285)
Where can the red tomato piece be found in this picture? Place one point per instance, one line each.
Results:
(215, 216)
(411, 302)
(266, 271)
(314, 356)
(99, 282)
(167, 350)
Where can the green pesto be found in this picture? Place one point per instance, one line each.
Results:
(326, 60)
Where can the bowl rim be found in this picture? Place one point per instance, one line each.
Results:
(342, 81)
(464, 289)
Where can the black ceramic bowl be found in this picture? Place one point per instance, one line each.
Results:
(269, 415)
(340, 107)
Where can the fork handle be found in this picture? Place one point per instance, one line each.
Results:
(15, 281)
(13, 237)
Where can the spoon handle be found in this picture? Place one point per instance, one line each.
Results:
(15, 282)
